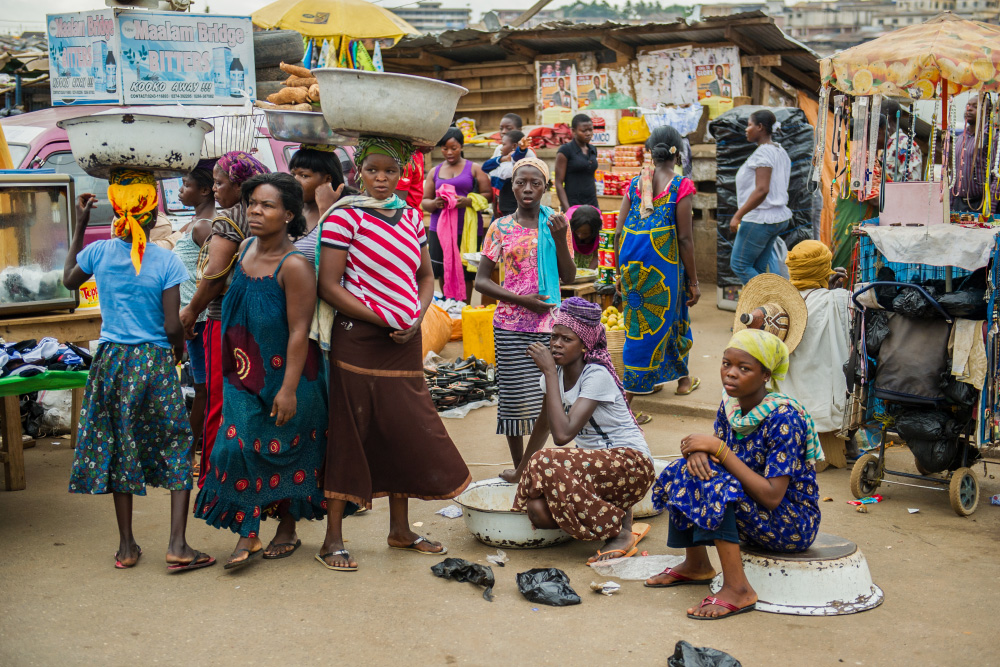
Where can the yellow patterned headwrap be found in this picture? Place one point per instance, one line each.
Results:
(533, 162)
(810, 265)
(765, 347)
(133, 196)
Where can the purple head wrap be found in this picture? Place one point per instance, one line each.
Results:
(240, 166)
(584, 319)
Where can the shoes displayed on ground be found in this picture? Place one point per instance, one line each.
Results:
(456, 383)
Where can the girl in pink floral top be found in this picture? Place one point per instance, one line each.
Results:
(523, 315)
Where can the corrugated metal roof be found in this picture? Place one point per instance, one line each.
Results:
(475, 46)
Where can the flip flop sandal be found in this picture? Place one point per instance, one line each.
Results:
(338, 568)
(413, 547)
(642, 418)
(285, 554)
(733, 609)
(680, 580)
(240, 563)
(639, 531)
(119, 565)
(694, 385)
(657, 388)
(195, 563)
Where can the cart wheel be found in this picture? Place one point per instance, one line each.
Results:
(963, 491)
(866, 476)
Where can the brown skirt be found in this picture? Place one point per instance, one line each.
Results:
(386, 438)
(588, 491)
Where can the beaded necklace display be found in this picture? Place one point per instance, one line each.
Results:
(820, 150)
(932, 145)
(990, 149)
(909, 147)
(858, 137)
(871, 145)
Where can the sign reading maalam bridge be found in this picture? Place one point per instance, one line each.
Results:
(138, 57)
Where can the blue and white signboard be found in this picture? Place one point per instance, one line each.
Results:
(116, 56)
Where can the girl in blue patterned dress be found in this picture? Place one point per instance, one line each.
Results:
(267, 459)
(659, 281)
(753, 480)
(134, 430)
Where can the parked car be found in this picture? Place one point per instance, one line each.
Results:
(37, 143)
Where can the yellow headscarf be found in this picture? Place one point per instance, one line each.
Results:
(133, 196)
(766, 348)
(810, 265)
(533, 162)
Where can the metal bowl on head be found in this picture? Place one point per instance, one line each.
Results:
(165, 146)
(304, 127)
(487, 510)
(412, 108)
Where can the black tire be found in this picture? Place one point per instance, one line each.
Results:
(272, 73)
(265, 88)
(271, 47)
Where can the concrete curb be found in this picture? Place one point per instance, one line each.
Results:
(671, 404)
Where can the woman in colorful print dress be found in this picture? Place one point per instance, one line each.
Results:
(659, 281)
(753, 480)
(268, 456)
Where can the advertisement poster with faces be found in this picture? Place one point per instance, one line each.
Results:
(591, 89)
(557, 92)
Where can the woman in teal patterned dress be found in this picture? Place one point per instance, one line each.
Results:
(268, 457)
(659, 281)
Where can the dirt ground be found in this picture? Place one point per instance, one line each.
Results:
(64, 603)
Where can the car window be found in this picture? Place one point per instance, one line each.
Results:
(17, 153)
(64, 163)
(171, 188)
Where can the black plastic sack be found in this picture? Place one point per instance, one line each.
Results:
(686, 655)
(547, 586)
(912, 303)
(460, 569)
(959, 393)
(926, 425)
(732, 149)
(934, 455)
(970, 304)
(876, 331)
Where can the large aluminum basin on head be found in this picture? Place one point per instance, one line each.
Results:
(413, 108)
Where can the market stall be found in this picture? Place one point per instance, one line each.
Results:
(919, 365)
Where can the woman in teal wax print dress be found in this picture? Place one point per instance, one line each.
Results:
(659, 281)
(268, 456)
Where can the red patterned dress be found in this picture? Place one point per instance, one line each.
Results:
(259, 469)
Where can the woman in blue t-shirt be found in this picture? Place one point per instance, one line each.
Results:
(134, 429)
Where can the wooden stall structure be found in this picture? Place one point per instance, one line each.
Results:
(501, 70)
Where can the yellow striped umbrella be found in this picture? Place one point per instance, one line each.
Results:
(954, 53)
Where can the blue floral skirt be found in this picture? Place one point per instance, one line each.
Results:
(134, 427)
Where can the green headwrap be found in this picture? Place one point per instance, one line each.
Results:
(399, 150)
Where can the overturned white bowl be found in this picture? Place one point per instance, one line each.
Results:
(164, 146)
(644, 508)
(487, 510)
(830, 578)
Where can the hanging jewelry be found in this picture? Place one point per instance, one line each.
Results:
(822, 116)
(871, 145)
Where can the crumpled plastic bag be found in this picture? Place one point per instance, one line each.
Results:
(686, 655)
(876, 331)
(460, 569)
(547, 585)
(968, 303)
(911, 302)
(932, 436)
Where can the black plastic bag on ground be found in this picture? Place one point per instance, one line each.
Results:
(460, 569)
(547, 585)
(911, 302)
(970, 304)
(686, 655)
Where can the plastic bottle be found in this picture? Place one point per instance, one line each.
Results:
(236, 78)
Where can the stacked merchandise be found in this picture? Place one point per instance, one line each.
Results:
(462, 381)
(795, 135)
(606, 249)
(627, 159)
(30, 357)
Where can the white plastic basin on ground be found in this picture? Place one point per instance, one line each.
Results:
(831, 578)
(487, 511)
(644, 508)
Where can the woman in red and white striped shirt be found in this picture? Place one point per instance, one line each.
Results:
(385, 436)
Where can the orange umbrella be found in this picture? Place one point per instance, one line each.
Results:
(949, 51)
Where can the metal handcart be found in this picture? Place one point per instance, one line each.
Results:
(871, 408)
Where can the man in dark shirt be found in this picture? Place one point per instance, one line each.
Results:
(971, 167)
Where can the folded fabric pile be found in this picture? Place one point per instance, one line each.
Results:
(459, 382)
(31, 357)
(550, 137)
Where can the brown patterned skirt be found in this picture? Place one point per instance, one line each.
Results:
(588, 491)
(386, 438)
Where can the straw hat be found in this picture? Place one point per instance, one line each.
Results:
(772, 303)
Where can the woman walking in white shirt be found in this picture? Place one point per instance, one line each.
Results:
(762, 198)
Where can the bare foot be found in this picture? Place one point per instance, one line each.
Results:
(664, 579)
(616, 547)
(740, 598)
(127, 555)
(244, 548)
(406, 539)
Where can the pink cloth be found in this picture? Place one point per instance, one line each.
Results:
(447, 231)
